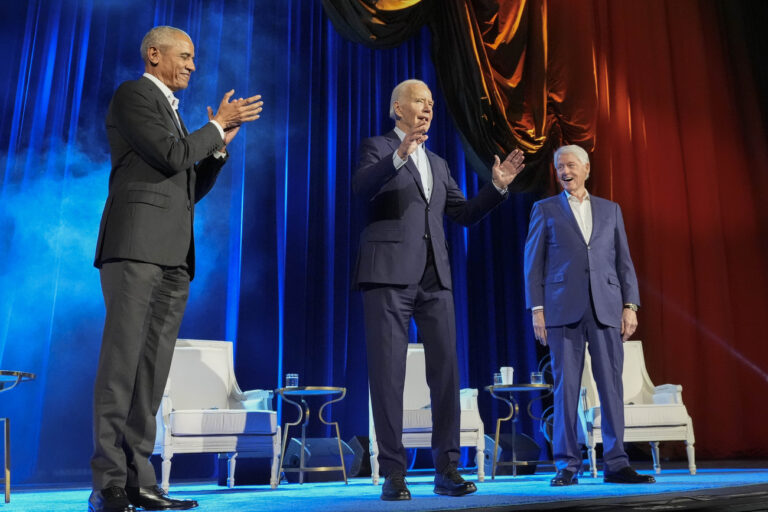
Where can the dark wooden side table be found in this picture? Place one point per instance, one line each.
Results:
(333, 395)
(9, 380)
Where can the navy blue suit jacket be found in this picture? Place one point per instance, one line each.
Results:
(401, 223)
(561, 267)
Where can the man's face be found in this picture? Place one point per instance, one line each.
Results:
(414, 105)
(572, 173)
(173, 62)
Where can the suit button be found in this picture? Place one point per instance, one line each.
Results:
(426, 236)
(427, 208)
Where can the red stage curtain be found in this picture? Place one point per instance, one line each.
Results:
(680, 144)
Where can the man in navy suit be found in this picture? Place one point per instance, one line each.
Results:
(579, 276)
(403, 270)
(146, 258)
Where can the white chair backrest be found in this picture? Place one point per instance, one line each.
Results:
(201, 374)
(638, 388)
(416, 391)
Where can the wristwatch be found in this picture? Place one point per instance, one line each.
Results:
(631, 306)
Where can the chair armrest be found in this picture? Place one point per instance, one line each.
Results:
(258, 399)
(668, 394)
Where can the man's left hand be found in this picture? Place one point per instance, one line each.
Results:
(229, 133)
(504, 173)
(628, 323)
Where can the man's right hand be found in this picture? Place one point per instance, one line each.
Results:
(412, 139)
(239, 111)
(539, 326)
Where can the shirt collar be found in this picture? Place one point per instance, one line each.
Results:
(172, 100)
(570, 197)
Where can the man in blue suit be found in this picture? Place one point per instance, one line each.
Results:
(579, 276)
(403, 270)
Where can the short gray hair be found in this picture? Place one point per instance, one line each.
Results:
(572, 149)
(157, 37)
(398, 90)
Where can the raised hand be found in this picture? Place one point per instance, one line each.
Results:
(504, 173)
(242, 110)
(412, 139)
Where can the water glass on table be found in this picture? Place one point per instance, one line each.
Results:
(291, 380)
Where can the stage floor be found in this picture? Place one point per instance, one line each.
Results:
(744, 489)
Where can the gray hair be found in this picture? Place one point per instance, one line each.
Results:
(573, 149)
(398, 90)
(157, 37)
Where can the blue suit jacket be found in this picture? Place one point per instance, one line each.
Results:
(561, 268)
(393, 245)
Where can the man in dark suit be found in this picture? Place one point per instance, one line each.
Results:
(146, 256)
(403, 271)
(579, 274)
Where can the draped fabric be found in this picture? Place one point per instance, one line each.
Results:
(275, 239)
(670, 97)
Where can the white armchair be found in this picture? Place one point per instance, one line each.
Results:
(651, 413)
(204, 411)
(417, 415)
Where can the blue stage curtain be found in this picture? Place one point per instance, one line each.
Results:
(276, 237)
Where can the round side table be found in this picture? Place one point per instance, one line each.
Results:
(514, 411)
(8, 380)
(301, 393)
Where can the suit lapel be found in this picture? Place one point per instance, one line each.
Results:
(568, 213)
(597, 210)
(394, 142)
(180, 129)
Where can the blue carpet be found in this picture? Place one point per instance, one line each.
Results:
(361, 495)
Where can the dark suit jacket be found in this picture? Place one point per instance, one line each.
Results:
(561, 268)
(158, 174)
(400, 221)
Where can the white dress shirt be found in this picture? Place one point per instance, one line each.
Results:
(582, 210)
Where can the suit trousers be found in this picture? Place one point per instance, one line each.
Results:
(566, 344)
(388, 312)
(145, 304)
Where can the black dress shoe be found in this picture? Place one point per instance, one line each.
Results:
(450, 483)
(564, 477)
(394, 488)
(111, 499)
(626, 475)
(153, 498)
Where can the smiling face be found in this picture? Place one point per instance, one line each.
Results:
(572, 173)
(414, 105)
(173, 61)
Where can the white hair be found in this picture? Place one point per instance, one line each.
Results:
(398, 90)
(159, 36)
(577, 151)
